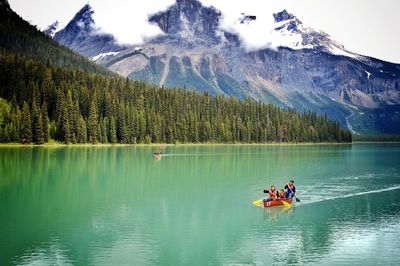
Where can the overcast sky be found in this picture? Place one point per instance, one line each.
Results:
(368, 27)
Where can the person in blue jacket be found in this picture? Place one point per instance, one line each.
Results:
(290, 189)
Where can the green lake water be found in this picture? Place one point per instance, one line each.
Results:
(120, 206)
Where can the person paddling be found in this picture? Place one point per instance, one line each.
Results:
(158, 153)
(272, 193)
(290, 189)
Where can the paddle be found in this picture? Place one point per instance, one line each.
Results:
(258, 202)
(286, 204)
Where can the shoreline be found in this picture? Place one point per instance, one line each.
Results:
(58, 144)
(99, 145)
(61, 145)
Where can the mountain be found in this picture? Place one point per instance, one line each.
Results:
(309, 71)
(82, 36)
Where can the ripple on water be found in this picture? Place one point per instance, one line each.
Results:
(45, 253)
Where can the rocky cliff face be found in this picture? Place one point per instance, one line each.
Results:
(82, 35)
(189, 20)
(311, 72)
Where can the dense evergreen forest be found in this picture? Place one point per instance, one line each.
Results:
(49, 92)
(41, 101)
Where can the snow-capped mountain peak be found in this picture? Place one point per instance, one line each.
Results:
(283, 16)
(82, 35)
(84, 18)
(297, 36)
(52, 29)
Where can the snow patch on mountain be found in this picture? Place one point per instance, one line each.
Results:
(341, 51)
(297, 36)
(102, 55)
(290, 38)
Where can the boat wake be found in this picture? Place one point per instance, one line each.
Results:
(184, 154)
(350, 195)
(209, 154)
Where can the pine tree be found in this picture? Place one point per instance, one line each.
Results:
(141, 126)
(65, 127)
(62, 119)
(112, 130)
(37, 124)
(77, 123)
(5, 117)
(15, 128)
(47, 86)
(121, 126)
(82, 133)
(45, 122)
(73, 127)
(93, 124)
(26, 134)
(103, 128)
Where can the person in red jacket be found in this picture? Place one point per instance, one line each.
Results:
(282, 194)
(272, 193)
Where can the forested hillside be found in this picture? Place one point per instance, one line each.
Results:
(48, 92)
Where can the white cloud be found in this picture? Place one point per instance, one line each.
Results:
(127, 20)
(363, 26)
(80, 24)
(256, 34)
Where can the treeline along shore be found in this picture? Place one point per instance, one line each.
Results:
(40, 102)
